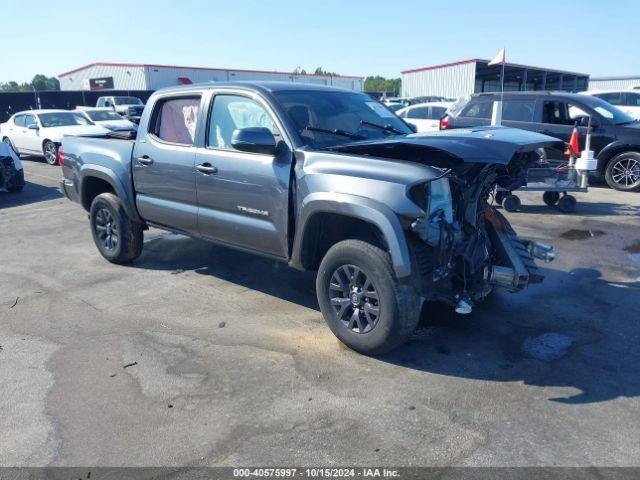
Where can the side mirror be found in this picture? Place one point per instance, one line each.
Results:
(412, 127)
(254, 140)
(33, 126)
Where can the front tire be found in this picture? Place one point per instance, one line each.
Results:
(362, 301)
(50, 151)
(623, 172)
(118, 238)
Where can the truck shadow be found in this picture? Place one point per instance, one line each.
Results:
(575, 334)
(179, 254)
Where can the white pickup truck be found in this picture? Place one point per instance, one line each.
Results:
(129, 107)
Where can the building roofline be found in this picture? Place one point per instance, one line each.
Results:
(620, 77)
(152, 65)
(476, 60)
(433, 67)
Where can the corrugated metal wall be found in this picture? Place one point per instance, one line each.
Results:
(124, 77)
(453, 81)
(155, 77)
(614, 84)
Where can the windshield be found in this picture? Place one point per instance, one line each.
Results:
(608, 111)
(63, 119)
(127, 101)
(328, 118)
(103, 115)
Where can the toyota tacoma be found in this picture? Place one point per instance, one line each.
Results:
(323, 179)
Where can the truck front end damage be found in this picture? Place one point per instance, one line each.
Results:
(462, 247)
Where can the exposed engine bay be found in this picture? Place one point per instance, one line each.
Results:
(470, 246)
(11, 172)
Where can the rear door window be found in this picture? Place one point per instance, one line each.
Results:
(174, 120)
(614, 98)
(436, 113)
(481, 109)
(19, 120)
(418, 112)
(632, 99)
(518, 110)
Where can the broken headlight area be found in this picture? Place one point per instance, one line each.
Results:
(464, 247)
(11, 178)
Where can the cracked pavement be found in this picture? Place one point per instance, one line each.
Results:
(272, 386)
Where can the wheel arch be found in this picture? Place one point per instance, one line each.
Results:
(351, 211)
(611, 151)
(95, 180)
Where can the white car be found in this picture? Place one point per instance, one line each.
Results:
(626, 100)
(107, 118)
(40, 132)
(425, 116)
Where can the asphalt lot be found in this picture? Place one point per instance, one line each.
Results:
(231, 363)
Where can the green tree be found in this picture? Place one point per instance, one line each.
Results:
(381, 84)
(39, 82)
(42, 82)
(321, 71)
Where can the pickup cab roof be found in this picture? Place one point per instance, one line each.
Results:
(265, 86)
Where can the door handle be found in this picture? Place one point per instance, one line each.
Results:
(145, 160)
(207, 168)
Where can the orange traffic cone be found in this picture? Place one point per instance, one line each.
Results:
(575, 144)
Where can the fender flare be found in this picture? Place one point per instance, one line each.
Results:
(608, 152)
(97, 171)
(361, 208)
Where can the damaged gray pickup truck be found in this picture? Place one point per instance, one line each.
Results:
(326, 180)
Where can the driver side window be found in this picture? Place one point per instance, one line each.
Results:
(232, 112)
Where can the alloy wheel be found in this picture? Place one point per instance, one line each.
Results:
(626, 172)
(107, 229)
(50, 153)
(354, 298)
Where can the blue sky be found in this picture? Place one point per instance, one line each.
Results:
(346, 36)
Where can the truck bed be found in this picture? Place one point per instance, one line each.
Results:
(108, 157)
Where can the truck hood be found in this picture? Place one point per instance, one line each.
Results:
(474, 145)
(56, 133)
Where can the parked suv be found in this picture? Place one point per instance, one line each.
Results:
(615, 139)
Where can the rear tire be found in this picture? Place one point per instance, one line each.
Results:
(362, 301)
(118, 238)
(623, 172)
(50, 151)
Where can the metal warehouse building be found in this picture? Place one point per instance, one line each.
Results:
(131, 76)
(454, 80)
(614, 83)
